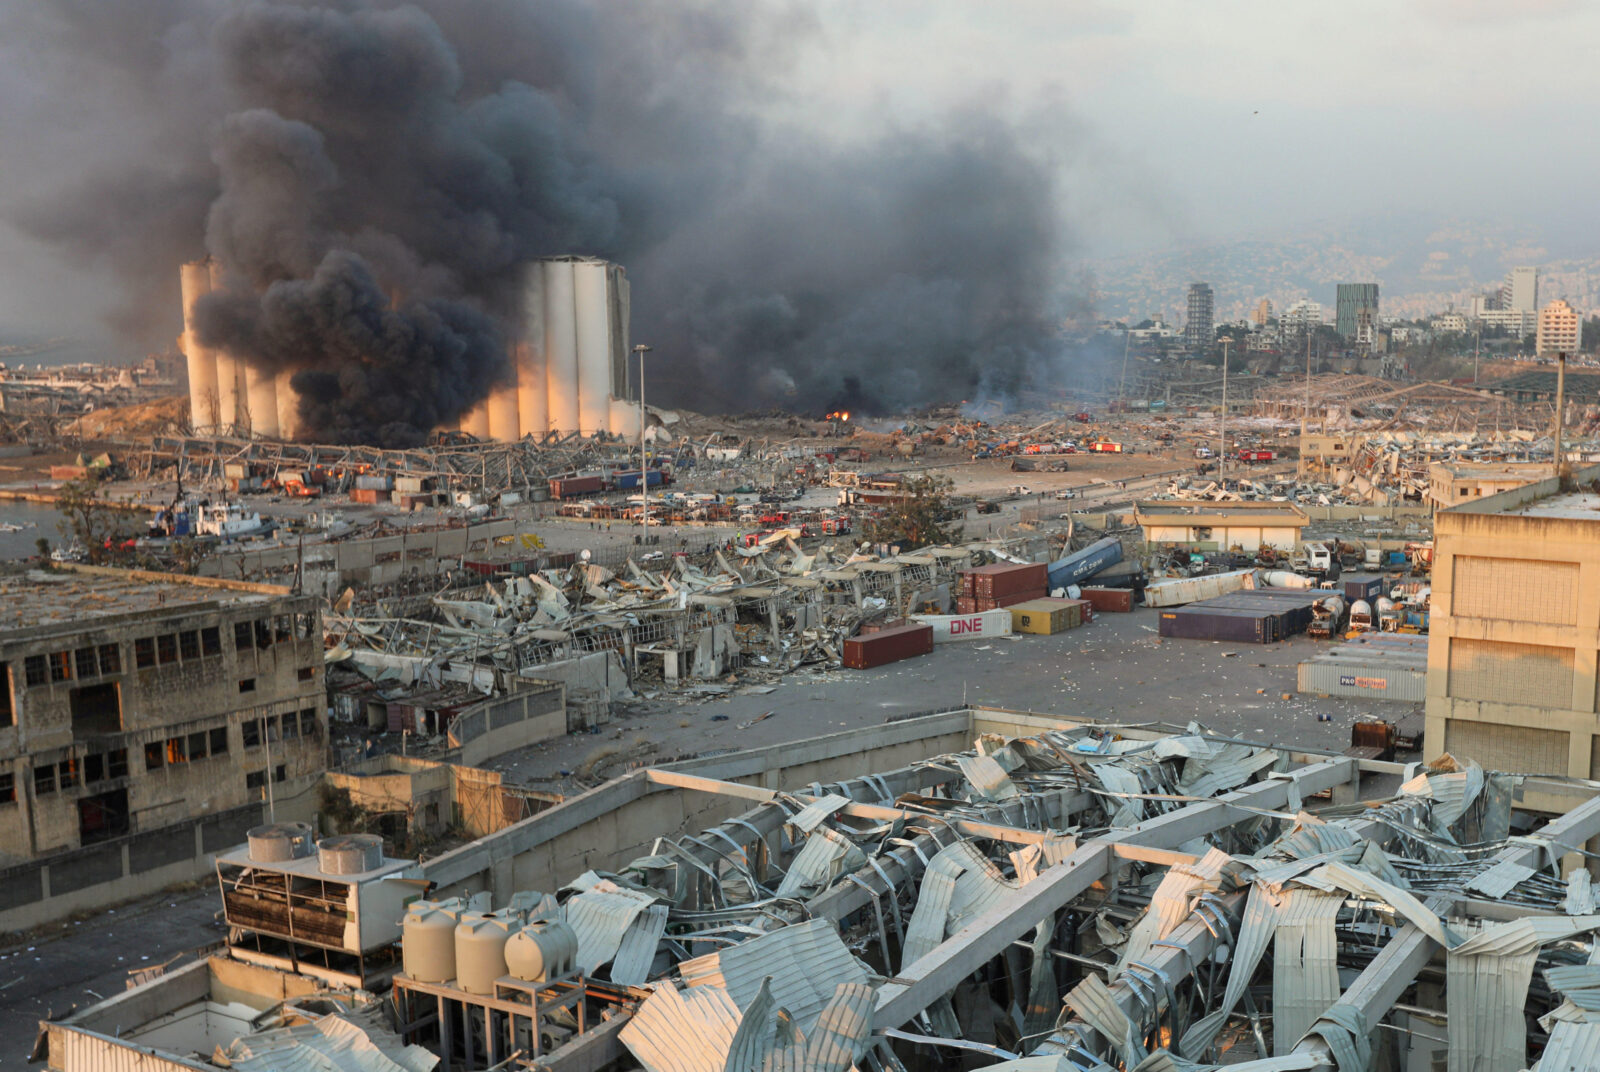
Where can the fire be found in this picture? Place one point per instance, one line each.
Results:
(838, 415)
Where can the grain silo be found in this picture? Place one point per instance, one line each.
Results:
(572, 364)
(195, 282)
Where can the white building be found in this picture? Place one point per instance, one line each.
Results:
(1303, 315)
(1522, 289)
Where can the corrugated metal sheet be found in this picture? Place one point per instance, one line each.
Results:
(1171, 903)
(1574, 1045)
(987, 777)
(926, 929)
(333, 1043)
(682, 1030)
(825, 856)
(1501, 879)
(1093, 1000)
(1255, 930)
(805, 961)
(1486, 987)
(1305, 973)
(601, 915)
(78, 1050)
(631, 965)
(813, 814)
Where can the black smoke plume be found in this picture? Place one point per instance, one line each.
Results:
(373, 177)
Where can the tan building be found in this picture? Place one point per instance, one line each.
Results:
(1320, 450)
(1246, 526)
(133, 705)
(1560, 330)
(1515, 630)
(1454, 483)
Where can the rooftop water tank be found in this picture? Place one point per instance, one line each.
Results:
(349, 854)
(542, 951)
(428, 940)
(276, 843)
(481, 939)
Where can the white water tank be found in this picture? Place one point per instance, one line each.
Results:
(349, 854)
(542, 951)
(276, 843)
(481, 939)
(428, 940)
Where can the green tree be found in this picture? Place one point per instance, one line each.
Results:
(86, 516)
(921, 516)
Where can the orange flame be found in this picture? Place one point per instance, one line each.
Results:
(838, 415)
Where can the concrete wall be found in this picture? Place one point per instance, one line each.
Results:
(1514, 636)
(615, 823)
(53, 888)
(507, 723)
(371, 561)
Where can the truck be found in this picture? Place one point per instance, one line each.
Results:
(1105, 446)
(1256, 456)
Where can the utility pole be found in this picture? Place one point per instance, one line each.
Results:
(1222, 423)
(1127, 340)
(644, 475)
(1561, 406)
(1305, 422)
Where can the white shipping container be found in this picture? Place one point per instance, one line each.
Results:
(1176, 591)
(950, 627)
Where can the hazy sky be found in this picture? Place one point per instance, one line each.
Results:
(1171, 122)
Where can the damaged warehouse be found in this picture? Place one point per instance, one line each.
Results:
(1062, 895)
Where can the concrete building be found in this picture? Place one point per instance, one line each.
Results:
(1518, 322)
(1454, 483)
(1515, 630)
(1304, 315)
(1560, 330)
(1448, 322)
(144, 719)
(1262, 314)
(1200, 526)
(1355, 308)
(1521, 292)
(1199, 329)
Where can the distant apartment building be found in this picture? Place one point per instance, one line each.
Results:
(1522, 290)
(1448, 322)
(1560, 330)
(134, 702)
(1199, 329)
(1302, 316)
(1514, 321)
(1453, 483)
(1157, 328)
(1356, 311)
(1262, 314)
(1512, 633)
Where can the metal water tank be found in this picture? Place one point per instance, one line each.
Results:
(542, 951)
(276, 843)
(349, 854)
(428, 940)
(481, 939)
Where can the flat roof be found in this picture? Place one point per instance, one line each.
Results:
(58, 597)
(1254, 513)
(1530, 471)
(1575, 505)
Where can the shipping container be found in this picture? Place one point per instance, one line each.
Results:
(1007, 579)
(1374, 666)
(1109, 600)
(1085, 563)
(364, 495)
(1046, 617)
(1176, 591)
(570, 487)
(1369, 589)
(370, 482)
(408, 483)
(888, 646)
(1242, 626)
(627, 480)
(976, 626)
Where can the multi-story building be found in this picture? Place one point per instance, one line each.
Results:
(1262, 314)
(1301, 317)
(1516, 321)
(1521, 291)
(1199, 329)
(1560, 330)
(1448, 322)
(1514, 630)
(1454, 483)
(130, 702)
(1355, 308)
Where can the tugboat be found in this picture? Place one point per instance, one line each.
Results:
(229, 521)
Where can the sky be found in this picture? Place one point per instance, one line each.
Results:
(1168, 123)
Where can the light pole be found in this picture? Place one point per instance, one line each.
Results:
(1222, 431)
(644, 475)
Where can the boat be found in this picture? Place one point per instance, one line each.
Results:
(73, 552)
(229, 521)
(12, 526)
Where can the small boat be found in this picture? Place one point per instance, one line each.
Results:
(229, 521)
(12, 526)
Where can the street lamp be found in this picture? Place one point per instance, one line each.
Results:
(644, 475)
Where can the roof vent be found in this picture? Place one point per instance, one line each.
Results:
(350, 854)
(276, 843)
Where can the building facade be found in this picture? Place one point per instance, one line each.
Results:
(1453, 483)
(1522, 289)
(1356, 310)
(130, 702)
(1514, 631)
(1199, 329)
(1560, 330)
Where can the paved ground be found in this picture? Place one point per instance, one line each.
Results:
(81, 963)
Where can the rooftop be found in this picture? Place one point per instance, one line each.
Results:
(1543, 499)
(1257, 513)
(1523, 470)
(72, 594)
(1574, 505)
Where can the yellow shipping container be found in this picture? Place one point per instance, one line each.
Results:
(1046, 617)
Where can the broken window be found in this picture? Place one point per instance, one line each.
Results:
(7, 712)
(251, 730)
(176, 750)
(67, 772)
(308, 721)
(189, 645)
(211, 640)
(167, 648)
(44, 779)
(303, 625)
(94, 769)
(255, 779)
(60, 666)
(307, 673)
(103, 817)
(263, 634)
(282, 628)
(144, 652)
(219, 741)
(34, 670)
(117, 763)
(280, 772)
(110, 659)
(155, 755)
(244, 636)
(291, 726)
(97, 708)
(84, 657)
(247, 685)
(197, 745)
(8, 788)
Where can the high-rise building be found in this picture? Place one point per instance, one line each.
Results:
(1199, 330)
(1522, 289)
(1263, 313)
(1355, 307)
(1560, 330)
(1304, 315)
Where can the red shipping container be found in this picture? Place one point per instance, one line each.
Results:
(880, 626)
(1009, 578)
(366, 495)
(966, 605)
(1109, 600)
(1086, 609)
(983, 603)
(888, 646)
